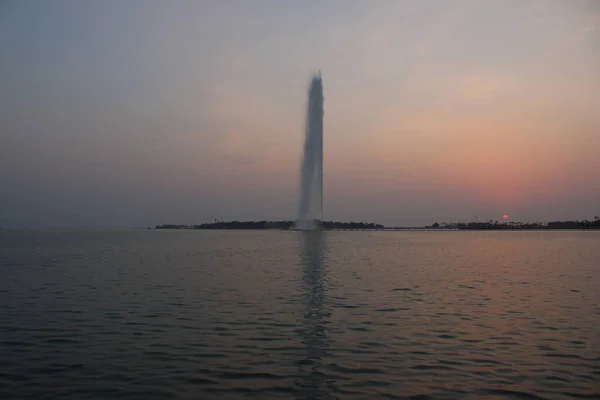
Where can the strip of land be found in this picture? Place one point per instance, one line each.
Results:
(334, 225)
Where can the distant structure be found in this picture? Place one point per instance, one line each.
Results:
(311, 180)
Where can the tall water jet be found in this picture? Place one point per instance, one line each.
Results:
(311, 180)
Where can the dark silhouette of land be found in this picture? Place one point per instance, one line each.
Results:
(281, 225)
(496, 225)
(334, 225)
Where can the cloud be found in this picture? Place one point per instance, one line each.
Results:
(589, 28)
(233, 140)
(484, 86)
(241, 159)
(236, 150)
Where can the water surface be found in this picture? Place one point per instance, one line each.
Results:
(198, 315)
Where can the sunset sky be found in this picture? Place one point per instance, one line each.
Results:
(140, 112)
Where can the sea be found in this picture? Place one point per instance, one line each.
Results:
(188, 314)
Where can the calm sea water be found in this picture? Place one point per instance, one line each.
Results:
(199, 315)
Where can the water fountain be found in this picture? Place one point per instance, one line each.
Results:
(311, 180)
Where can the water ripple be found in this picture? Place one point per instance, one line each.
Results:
(188, 315)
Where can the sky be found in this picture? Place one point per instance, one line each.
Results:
(142, 112)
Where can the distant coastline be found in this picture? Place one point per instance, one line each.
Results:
(279, 225)
(335, 225)
(513, 225)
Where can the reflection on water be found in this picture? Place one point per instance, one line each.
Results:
(313, 331)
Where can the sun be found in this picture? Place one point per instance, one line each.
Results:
(505, 217)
